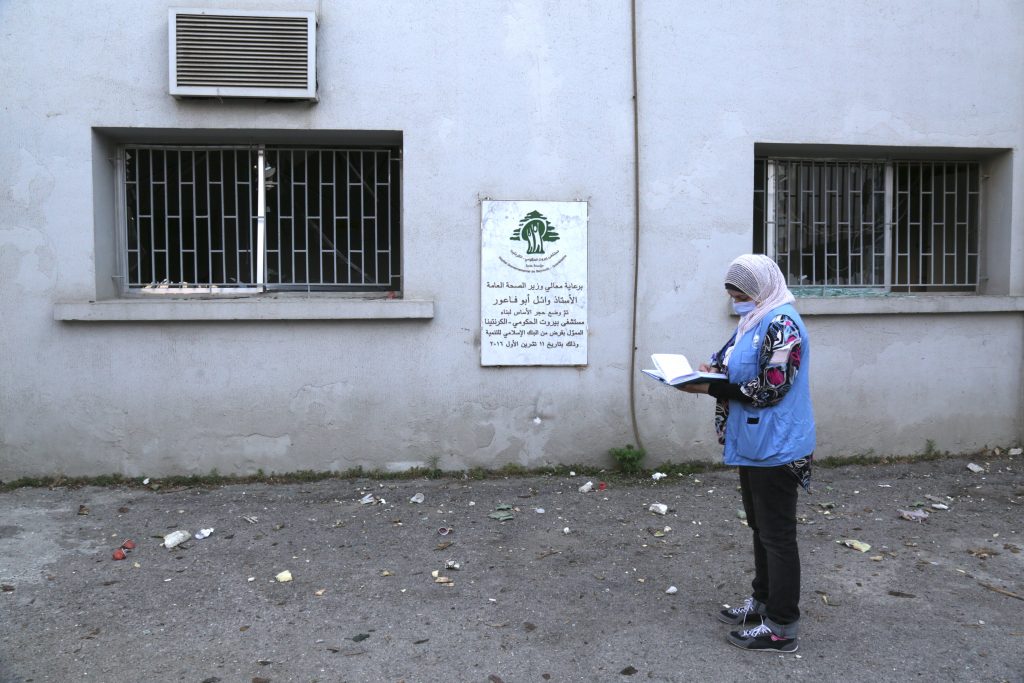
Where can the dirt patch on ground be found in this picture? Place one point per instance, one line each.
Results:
(571, 588)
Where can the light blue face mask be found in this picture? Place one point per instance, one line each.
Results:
(743, 307)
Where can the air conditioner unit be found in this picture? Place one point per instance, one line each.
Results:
(240, 53)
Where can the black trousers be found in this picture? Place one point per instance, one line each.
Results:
(769, 499)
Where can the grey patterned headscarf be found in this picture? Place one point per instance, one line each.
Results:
(757, 276)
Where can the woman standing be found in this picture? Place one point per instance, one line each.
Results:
(764, 419)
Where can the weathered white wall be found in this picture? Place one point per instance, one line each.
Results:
(718, 78)
(524, 100)
(507, 100)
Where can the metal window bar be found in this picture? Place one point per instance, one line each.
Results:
(935, 226)
(821, 220)
(189, 216)
(320, 219)
(870, 225)
(331, 229)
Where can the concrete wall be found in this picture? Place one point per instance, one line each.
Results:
(507, 100)
(718, 79)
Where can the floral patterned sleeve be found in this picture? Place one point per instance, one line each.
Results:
(778, 362)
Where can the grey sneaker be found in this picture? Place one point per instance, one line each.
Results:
(739, 615)
(762, 639)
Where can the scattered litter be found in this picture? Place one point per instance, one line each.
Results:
(251, 579)
(136, 565)
(360, 637)
(567, 531)
(368, 499)
(443, 580)
(671, 590)
(876, 558)
(145, 482)
(914, 515)
(940, 506)
(502, 512)
(176, 538)
(658, 475)
(855, 544)
(1015, 451)
(1001, 591)
(826, 600)
(741, 514)
(284, 577)
(386, 572)
(572, 474)
(453, 565)
(587, 488)
(128, 544)
(539, 511)
(977, 469)
(445, 530)
(119, 554)
(601, 486)
(418, 498)
(83, 509)
(203, 533)
(982, 553)
(658, 508)
(885, 486)
(320, 593)
(628, 671)
(251, 520)
(901, 594)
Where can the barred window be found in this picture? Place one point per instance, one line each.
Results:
(890, 226)
(257, 218)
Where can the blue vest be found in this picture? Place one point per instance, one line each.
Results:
(776, 435)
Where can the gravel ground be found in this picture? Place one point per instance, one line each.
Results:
(571, 588)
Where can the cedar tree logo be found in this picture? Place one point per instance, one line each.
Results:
(535, 230)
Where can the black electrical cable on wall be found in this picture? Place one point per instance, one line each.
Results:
(636, 232)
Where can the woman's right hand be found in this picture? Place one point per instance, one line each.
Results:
(704, 367)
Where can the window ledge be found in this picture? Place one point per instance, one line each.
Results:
(247, 309)
(907, 304)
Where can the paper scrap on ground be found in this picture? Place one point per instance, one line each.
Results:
(914, 515)
(855, 544)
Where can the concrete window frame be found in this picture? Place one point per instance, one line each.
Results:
(109, 302)
(995, 291)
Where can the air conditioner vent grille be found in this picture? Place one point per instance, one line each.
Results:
(237, 54)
